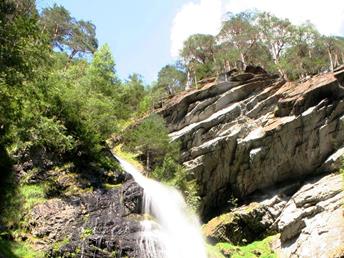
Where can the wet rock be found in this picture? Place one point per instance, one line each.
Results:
(96, 224)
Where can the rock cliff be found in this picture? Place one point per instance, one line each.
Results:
(257, 133)
(96, 224)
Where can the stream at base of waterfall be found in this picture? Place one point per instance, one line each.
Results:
(173, 231)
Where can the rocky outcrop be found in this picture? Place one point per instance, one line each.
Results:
(312, 221)
(96, 224)
(255, 131)
(309, 219)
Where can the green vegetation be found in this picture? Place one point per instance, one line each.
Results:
(59, 244)
(262, 39)
(32, 195)
(61, 100)
(151, 143)
(150, 138)
(11, 249)
(256, 249)
(86, 232)
(174, 174)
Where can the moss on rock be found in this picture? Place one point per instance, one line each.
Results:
(260, 249)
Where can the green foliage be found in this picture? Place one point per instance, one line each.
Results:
(51, 133)
(31, 195)
(172, 79)
(10, 249)
(68, 34)
(86, 232)
(151, 139)
(198, 53)
(132, 94)
(256, 249)
(102, 73)
(57, 245)
(174, 174)
(261, 38)
(242, 34)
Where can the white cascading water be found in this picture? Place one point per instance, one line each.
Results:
(175, 231)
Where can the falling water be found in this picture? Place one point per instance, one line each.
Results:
(175, 231)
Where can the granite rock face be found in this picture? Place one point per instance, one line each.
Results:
(97, 224)
(256, 130)
(312, 222)
(308, 218)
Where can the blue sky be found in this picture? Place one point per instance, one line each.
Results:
(145, 35)
(138, 32)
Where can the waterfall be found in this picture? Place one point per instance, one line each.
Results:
(174, 231)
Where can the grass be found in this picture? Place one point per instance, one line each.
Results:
(11, 249)
(214, 252)
(112, 186)
(32, 195)
(128, 156)
(260, 249)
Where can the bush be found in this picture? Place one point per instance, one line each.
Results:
(174, 174)
(150, 138)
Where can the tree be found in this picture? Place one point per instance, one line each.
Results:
(239, 31)
(133, 92)
(66, 33)
(276, 34)
(22, 53)
(151, 139)
(304, 55)
(102, 72)
(335, 50)
(198, 54)
(171, 78)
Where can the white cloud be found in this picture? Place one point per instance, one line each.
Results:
(206, 15)
(203, 17)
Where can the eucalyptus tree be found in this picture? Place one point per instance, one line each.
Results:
(303, 57)
(198, 53)
(276, 34)
(335, 50)
(240, 32)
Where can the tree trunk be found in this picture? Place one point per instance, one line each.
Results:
(188, 81)
(70, 58)
(196, 81)
(148, 162)
(331, 60)
(242, 57)
(281, 72)
(336, 60)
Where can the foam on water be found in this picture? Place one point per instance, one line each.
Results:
(174, 231)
